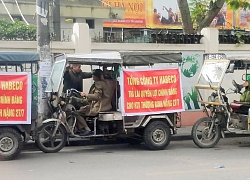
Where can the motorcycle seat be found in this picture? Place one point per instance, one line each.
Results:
(240, 107)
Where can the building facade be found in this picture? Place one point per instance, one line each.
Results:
(85, 11)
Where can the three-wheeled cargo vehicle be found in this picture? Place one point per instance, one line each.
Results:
(18, 108)
(222, 115)
(152, 128)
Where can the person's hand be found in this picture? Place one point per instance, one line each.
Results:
(62, 103)
(67, 67)
(83, 94)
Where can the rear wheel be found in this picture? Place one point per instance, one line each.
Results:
(48, 143)
(11, 143)
(157, 135)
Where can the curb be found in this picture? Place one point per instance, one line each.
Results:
(80, 142)
(189, 137)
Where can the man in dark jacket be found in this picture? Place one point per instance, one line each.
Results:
(73, 78)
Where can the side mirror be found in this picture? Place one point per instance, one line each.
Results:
(243, 77)
(230, 68)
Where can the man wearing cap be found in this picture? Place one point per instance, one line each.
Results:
(245, 96)
(73, 78)
(97, 100)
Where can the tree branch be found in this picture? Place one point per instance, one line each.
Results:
(216, 7)
(186, 17)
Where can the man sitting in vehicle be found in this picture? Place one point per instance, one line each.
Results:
(97, 100)
(114, 88)
(245, 96)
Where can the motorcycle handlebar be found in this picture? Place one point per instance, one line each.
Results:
(222, 90)
(68, 92)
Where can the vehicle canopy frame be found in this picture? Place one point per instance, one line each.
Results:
(245, 59)
(19, 60)
(125, 58)
(120, 58)
(210, 78)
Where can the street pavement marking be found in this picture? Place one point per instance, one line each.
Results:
(195, 171)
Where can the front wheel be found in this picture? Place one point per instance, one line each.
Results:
(201, 136)
(156, 135)
(11, 143)
(48, 143)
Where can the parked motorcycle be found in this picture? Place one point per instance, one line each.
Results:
(222, 116)
(207, 131)
(52, 136)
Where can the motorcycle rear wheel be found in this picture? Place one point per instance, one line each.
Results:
(205, 141)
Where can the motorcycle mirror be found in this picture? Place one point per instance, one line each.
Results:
(243, 77)
(230, 68)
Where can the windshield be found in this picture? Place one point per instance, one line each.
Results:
(56, 76)
(212, 73)
(210, 79)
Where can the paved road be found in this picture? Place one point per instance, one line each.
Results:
(182, 160)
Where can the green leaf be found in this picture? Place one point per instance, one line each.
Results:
(236, 4)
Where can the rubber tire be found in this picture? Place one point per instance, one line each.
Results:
(196, 141)
(149, 144)
(44, 149)
(17, 138)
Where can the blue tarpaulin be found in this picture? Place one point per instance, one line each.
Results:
(10, 57)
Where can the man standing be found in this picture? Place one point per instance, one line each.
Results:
(73, 78)
(171, 15)
(156, 17)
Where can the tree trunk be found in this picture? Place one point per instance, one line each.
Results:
(186, 17)
(214, 10)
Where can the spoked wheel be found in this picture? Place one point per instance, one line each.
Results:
(48, 143)
(205, 134)
(11, 144)
(157, 135)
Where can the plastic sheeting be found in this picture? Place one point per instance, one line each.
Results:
(126, 58)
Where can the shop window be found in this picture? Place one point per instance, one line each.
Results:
(91, 23)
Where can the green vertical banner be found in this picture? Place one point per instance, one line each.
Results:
(34, 89)
(190, 68)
